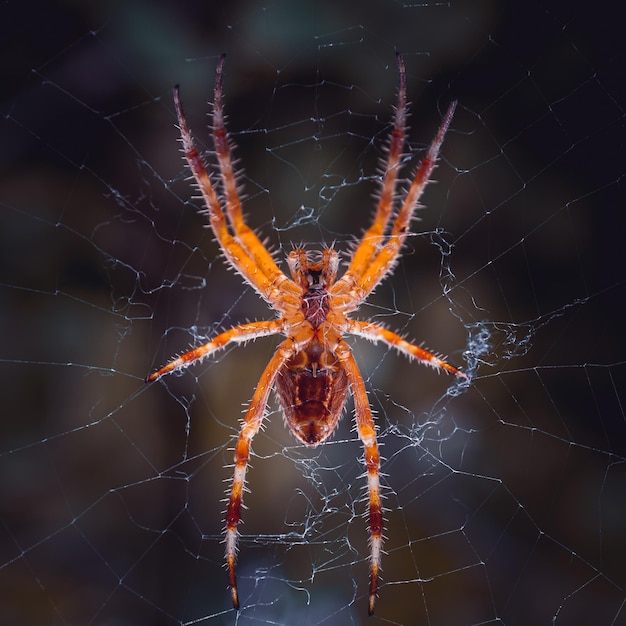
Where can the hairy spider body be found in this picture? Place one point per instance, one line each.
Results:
(313, 368)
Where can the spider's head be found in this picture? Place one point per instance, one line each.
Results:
(313, 270)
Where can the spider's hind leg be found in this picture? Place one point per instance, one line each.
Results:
(366, 429)
(250, 427)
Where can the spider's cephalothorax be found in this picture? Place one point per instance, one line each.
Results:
(313, 368)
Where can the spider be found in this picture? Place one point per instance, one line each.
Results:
(313, 368)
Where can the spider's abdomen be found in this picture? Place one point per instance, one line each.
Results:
(312, 389)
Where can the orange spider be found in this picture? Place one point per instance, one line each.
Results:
(313, 367)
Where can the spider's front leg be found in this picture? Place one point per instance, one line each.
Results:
(371, 241)
(376, 255)
(243, 251)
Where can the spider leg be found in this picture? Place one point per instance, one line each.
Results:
(367, 433)
(257, 267)
(238, 334)
(370, 242)
(250, 427)
(386, 258)
(360, 282)
(243, 233)
(375, 332)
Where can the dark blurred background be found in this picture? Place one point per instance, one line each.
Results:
(506, 501)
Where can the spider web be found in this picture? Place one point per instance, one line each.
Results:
(505, 500)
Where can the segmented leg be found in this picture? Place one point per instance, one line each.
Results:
(375, 333)
(367, 433)
(243, 233)
(386, 258)
(244, 251)
(251, 424)
(371, 240)
(363, 277)
(238, 334)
